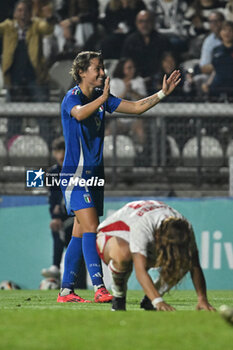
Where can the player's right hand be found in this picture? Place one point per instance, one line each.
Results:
(106, 90)
(164, 307)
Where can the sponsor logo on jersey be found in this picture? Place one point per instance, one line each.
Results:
(87, 198)
(35, 178)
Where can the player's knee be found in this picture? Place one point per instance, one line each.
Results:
(123, 256)
(89, 227)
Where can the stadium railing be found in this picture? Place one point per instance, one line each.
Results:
(186, 146)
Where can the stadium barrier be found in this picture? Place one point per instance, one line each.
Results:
(182, 146)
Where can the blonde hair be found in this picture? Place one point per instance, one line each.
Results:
(174, 248)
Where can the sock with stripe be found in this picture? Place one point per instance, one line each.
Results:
(92, 259)
(119, 280)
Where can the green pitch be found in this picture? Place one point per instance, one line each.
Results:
(33, 320)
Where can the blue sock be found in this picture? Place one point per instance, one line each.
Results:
(72, 263)
(92, 259)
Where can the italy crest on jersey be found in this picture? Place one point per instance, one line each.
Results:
(87, 198)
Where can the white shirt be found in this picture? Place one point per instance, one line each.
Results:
(117, 86)
(208, 46)
(136, 223)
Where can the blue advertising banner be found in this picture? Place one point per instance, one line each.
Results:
(26, 242)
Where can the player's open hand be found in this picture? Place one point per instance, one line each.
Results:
(164, 307)
(204, 305)
(170, 84)
(106, 90)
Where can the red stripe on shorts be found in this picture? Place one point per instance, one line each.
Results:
(115, 226)
(101, 255)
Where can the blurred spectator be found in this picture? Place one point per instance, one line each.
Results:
(6, 11)
(119, 20)
(145, 46)
(220, 84)
(24, 70)
(169, 15)
(77, 24)
(229, 10)
(61, 224)
(95, 41)
(168, 65)
(127, 84)
(79, 18)
(198, 15)
(212, 40)
(120, 15)
(38, 7)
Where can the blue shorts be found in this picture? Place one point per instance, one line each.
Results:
(84, 190)
(81, 198)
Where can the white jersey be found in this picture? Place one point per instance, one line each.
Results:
(136, 223)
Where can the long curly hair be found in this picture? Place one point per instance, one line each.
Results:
(174, 248)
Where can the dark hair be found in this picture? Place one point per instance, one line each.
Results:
(169, 53)
(26, 2)
(119, 70)
(227, 24)
(174, 247)
(58, 144)
(82, 62)
(220, 15)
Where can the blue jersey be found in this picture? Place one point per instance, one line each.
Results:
(84, 139)
(84, 150)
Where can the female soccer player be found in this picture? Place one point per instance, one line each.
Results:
(150, 234)
(83, 109)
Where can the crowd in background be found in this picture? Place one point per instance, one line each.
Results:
(153, 36)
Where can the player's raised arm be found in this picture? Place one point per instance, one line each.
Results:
(141, 106)
(147, 284)
(82, 112)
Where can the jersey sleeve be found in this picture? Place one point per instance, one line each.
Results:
(71, 101)
(112, 103)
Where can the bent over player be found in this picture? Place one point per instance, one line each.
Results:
(83, 118)
(150, 234)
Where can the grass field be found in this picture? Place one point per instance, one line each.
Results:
(33, 320)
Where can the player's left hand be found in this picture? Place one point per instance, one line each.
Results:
(106, 90)
(164, 307)
(204, 305)
(170, 84)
